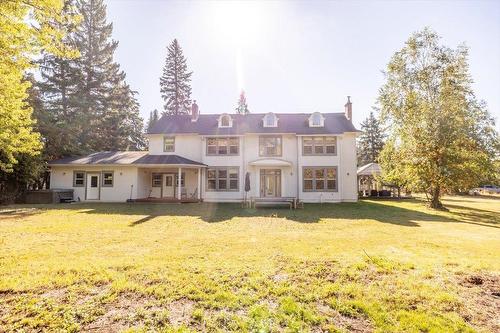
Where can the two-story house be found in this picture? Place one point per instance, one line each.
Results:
(223, 158)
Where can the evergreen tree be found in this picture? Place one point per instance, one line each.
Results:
(371, 141)
(242, 107)
(175, 83)
(87, 104)
(56, 118)
(153, 118)
(107, 108)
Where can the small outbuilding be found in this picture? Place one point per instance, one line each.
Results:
(369, 184)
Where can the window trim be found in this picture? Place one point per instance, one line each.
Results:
(165, 137)
(153, 174)
(275, 118)
(325, 180)
(261, 137)
(313, 152)
(112, 178)
(228, 138)
(321, 121)
(227, 178)
(84, 178)
(224, 115)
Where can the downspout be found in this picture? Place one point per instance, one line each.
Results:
(242, 152)
(297, 166)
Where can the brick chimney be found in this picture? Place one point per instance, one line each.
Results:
(348, 108)
(195, 113)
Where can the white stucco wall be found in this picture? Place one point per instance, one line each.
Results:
(124, 177)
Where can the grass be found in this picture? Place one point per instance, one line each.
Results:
(372, 266)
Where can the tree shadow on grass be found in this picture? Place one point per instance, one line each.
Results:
(381, 211)
(16, 212)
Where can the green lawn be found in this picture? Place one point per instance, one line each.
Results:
(381, 266)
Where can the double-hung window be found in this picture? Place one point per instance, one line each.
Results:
(169, 144)
(319, 145)
(319, 179)
(107, 178)
(223, 179)
(270, 145)
(223, 146)
(78, 178)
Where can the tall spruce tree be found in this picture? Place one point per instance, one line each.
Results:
(108, 111)
(153, 118)
(371, 141)
(56, 118)
(175, 83)
(242, 107)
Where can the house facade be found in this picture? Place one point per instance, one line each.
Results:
(224, 158)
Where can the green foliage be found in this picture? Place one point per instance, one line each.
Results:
(188, 267)
(371, 141)
(26, 29)
(88, 106)
(175, 82)
(442, 138)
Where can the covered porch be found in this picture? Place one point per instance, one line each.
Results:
(169, 178)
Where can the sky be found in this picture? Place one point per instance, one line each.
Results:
(295, 56)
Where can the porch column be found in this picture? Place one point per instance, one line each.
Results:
(199, 184)
(179, 188)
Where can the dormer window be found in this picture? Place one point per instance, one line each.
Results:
(225, 120)
(316, 120)
(270, 120)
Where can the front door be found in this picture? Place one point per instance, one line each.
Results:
(270, 182)
(92, 186)
(168, 186)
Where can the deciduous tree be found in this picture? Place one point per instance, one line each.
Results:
(442, 137)
(26, 28)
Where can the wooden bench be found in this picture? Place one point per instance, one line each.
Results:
(276, 201)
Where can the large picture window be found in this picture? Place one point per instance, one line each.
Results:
(270, 145)
(223, 146)
(319, 145)
(169, 144)
(223, 179)
(319, 179)
(78, 178)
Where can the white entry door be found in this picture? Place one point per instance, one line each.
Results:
(168, 186)
(92, 186)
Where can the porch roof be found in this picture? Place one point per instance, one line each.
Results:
(270, 162)
(121, 158)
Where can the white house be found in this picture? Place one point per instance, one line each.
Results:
(311, 157)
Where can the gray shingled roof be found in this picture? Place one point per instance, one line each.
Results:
(125, 158)
(297, 123)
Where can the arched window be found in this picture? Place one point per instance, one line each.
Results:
(225, 120)
(270, 120)
(316, 120)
